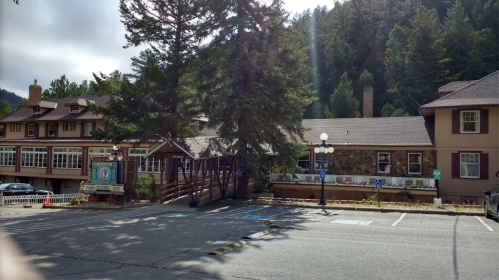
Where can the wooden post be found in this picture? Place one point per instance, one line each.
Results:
(211, 180)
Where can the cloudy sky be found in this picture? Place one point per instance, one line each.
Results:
(44, 39)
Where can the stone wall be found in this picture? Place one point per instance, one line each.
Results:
(363, 162)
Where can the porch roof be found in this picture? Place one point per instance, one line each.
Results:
(195, 148)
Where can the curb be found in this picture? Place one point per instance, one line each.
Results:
(414, 211)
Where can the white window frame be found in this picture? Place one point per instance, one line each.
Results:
(87, 129)
(304, 159)
(388, 163)
(31, 128)
(7, 156)
(35, 157)
(18, 127)
(12, 127)
(409, 163)
(2, 130)
(186, 163)
(462, 121)
(73, 126)
(146, 165)
(65, 126)
(318, 160)
(98, 152)
(37, 110)
(67, 157)
(53, 127)
(465, 165)
(75, 108)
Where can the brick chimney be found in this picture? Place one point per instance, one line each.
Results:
(35, 94)
(368, 102)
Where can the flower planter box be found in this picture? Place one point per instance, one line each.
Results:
(93, 199)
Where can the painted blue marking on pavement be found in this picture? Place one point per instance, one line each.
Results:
(256, 218)
(176, 215)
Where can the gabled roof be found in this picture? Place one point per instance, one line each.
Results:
(455, 85)
(44, 104)
(195, 148)
(484, 92)
(395, 131)
(80, 102)
(60, 113)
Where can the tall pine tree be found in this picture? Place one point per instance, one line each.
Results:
(342, 103)
(258, 87)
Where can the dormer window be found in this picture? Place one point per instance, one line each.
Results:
(37, 110)
(75, 108)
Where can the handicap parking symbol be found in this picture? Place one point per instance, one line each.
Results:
(378, 184)
(323, 173)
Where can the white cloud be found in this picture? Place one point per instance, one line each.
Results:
(44, 39)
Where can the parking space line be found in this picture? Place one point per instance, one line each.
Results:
(400, 219)
(230, 211)
(483, 223)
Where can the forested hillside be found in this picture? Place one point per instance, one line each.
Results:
(11, 97)
(410, 47)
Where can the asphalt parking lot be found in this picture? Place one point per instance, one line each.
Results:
(158, 243)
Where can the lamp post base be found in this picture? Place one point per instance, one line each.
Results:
(323, 199)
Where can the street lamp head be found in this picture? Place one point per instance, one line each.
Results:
(321, 149)
(323, 137)
(317, 150)
(330, 150)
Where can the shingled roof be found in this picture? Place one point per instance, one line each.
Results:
(455, 85)
(397, 131)
(484, 92)
(60, 112)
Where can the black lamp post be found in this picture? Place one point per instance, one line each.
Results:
(323, 149)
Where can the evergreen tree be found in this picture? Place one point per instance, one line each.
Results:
(255, 80)
(416, 58)
(366, 78)
(63, 88)
(342, 103)
(389, 110)
(22, 104)
(5, 108)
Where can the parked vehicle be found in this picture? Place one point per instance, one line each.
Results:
(491, 203)
(21, 189)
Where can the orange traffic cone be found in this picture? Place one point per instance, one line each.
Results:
(47, 201)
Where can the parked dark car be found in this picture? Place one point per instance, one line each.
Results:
(21, 189)
(491, 203)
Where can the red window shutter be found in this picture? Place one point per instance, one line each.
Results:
(456, 161)
(484, 121)
(484, 166)
(36, 130)
(46, 129)
(455, 122)
(26, 130)
(56, 129)
(82, 129)
(93, 126)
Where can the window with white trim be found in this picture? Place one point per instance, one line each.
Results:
(7, 156)
(37, 110)
(318, 161)
(75, 108)
(2, 130)
(383, 163)
(87, 129)
(304, 162)
(33, 157)
(414, 163)
(31, 129)
(66, 158)
(65, 126)
(149, 165)
(73, 126)
(12, 127)
(470, 121)
(469, 165)
(186, 163)
(51, 129)
(97, 152)
(18, 127)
